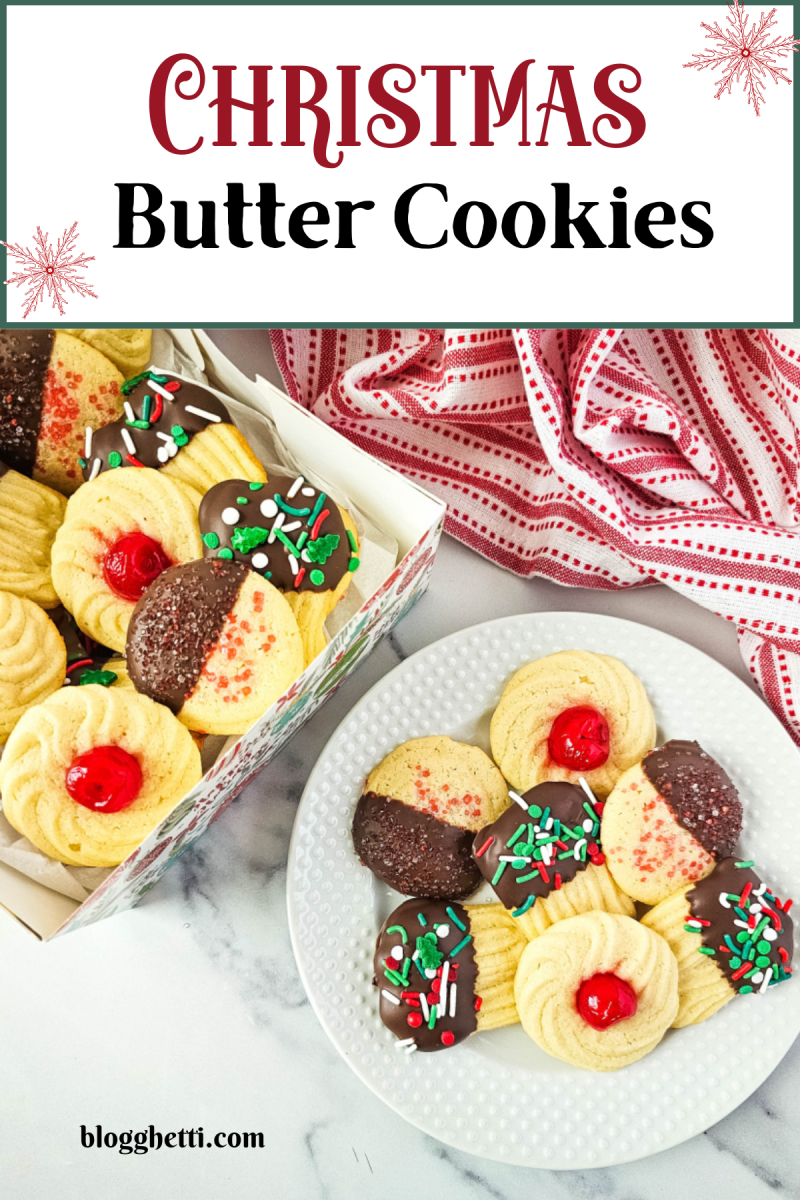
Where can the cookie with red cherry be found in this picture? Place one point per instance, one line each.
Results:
(214, 642)
(90, 772)
(669, 819)
(120, 532)
(572, 715)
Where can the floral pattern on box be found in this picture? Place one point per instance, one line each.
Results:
(239, 764)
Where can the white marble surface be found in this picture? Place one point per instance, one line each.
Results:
(188, 1010)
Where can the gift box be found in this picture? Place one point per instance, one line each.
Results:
(397, 511)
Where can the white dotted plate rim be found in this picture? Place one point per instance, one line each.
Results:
(497, 1095)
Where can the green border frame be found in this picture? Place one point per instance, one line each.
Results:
(751, 5)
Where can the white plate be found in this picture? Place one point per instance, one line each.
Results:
(497, 1094)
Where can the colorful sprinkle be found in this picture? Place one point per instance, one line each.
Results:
(451, 914)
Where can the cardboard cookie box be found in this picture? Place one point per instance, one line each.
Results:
(405, 524)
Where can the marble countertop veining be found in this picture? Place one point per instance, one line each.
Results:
(189, 1010)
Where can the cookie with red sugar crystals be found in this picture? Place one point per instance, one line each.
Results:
(215, 643)
(414, 825)
(52, 387)
(669, 819)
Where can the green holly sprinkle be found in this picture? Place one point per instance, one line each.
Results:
(114, 459)
(211, 540)
(246, 537)
(317, 578)
(256, 487)
(320, 550)
(180, 435)
(105, 678)
(354, 564)
(225, 553)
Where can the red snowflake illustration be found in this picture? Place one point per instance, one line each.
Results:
(745, 55)
(50, 269)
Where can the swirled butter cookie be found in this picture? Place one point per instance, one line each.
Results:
(120, 532)
(544, 859)
(730, 934)
(52, 386)
(413, 826)
(127, 349)
(597, 990)
(292, 534)
(179, 428)
(668, 820)
(215, 643)
(30, 516)
(33, 659)
(569, 715)
(445, 971)
(89, 773)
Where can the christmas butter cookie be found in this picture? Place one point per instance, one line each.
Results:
(33, 659)
(569, 715)
(292, 534)
(668, 820)
(544, 860)
(216, 643)
(120, 532)
(598, 990)
(445, 971)
(180, 428)
(89, 773)
(52, 386)
(127, 349)
(414, 825)
(30, 516)
(730, 934)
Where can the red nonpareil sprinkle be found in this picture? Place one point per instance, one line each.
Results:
(414, 1019)
(592, 849)
(478, 1003)
(174, 386)
(599, 859)
(742, 970)
(448, 1037)
(484, 847)
(133, 460)
(298, 577)
(543, 872)
(746, 890)
(558, 881)
(326, 512)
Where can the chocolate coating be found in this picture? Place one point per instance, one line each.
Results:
(566, 803)
(704, 903)
(238, 496)
(3, 469)
(699, 794)
(24, 360)
(176, 625)
(108, 439)
(413, 852)
(462, 973)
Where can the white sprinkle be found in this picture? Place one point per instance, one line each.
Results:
(430, 973)
(694, 924)
(442, 931)
(294, 565)
(172, 448)
(759, 891)
(305, 557)
(129, 413)
(742, 924)
(128, 440)
(307, 492)
(452, 1000)
(268, 507)
(281, 517)
(587, 789)
(165, 437)
(95, 471)
(162, 454)
(259, 561)
(443, 990)
(514, 858)
(723, 899)
(410, 1049)
(755, 908)
(757, 978)
(201, 412)
(426, 1012)
(403, 1042)
(396, 953)
(549, 824)
(293, 490)
(577, 851)
(588, 825)
(87, 445)
(547, 854)
(387, 995)
(230, 515)
(515, 796)
(767, 978)
(769, 934)
(290, 528)
(162, 391)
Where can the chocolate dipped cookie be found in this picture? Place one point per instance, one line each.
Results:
(215, 642)
(52, 387)
(669, 819)
(731, 936)
(414, 825)
(544, 859)
(444, 971)
(291, 533)
(171, 425)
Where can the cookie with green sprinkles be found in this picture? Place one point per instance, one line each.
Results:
(292, 533)
(444, 971)
(544, 859)
(731, 936)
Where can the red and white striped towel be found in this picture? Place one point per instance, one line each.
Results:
(597, 457)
